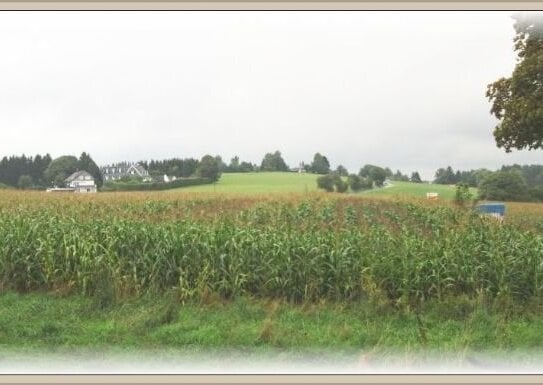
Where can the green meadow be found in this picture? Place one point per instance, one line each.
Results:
(259, 182)
(291, 182)
(419, 190)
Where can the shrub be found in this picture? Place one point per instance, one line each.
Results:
(326, 182)
(341, 186)
(463, 195)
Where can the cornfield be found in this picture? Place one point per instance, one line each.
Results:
(297, 247)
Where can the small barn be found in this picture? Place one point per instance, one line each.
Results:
(81, 182)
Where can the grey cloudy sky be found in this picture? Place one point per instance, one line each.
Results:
(399, 89)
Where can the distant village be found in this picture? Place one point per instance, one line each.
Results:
(83, 182)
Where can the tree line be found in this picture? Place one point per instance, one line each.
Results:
(513, 183)
(368, 177)
(40, 172)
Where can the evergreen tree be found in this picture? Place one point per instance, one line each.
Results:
(86, 163)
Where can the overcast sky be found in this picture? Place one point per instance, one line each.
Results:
(399, 89)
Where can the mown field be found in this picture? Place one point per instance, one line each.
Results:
(304, 270)
(290, 182)
(259, 182)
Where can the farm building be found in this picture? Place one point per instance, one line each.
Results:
(120, 170)
(81, 182)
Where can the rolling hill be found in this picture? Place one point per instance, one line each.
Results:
(259, 182)
(271, 182)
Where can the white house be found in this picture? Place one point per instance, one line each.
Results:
(81, 182)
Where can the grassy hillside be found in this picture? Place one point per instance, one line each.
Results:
(266, 182)
(254, 182)
(416, 190)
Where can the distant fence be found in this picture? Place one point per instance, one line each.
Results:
(181, 182)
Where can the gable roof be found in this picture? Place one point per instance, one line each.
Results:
(124, 168)
(77, 174)
(138, 168)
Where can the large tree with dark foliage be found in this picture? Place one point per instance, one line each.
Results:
(87, 164)
(237, 166)
(415, 177)
(445, 176)
(209, 168)
(273, 162)
(12, 168)
(358, 183)
(61, 168)
(504, 185)
(181, 168)
(375, 173)
(320, 164)
(517, 101)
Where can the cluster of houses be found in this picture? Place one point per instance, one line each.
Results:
(83, 182)
(124, 169)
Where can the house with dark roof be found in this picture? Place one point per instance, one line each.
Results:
(123, 169)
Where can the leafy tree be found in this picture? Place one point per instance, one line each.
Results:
(331, 180)
(25, 181)
(504, 185)
(61, 168)
(398, 176)
(536, 193)
(480, 175)
(326, 182)
(532, 174)
(341, 185)
(375, 173)
(208, 168)
(181, 168)
(237, 166)
(358, 183)
(320, 164)
(445, 176)
(246, 167)
(12, 168)
(388, 172)
(517, 100)
(415, 177)
(273, 162)
(220, 164)
(462, 194)
(355, 182)
(342, 171)
(234, 164)
(87, 164)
